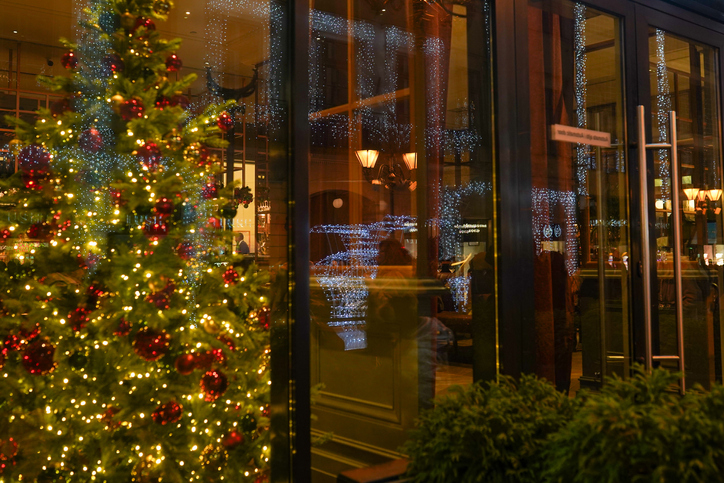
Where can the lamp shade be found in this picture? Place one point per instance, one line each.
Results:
(691, 193)
(714, 194)
(367, 157)
(701, 195)
(410, 160)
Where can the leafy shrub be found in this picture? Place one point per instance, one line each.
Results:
(638, 430)
(488, 432)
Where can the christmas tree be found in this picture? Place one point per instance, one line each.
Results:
(134, 346)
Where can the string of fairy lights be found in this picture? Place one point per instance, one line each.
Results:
(663, 106)
(581, 92)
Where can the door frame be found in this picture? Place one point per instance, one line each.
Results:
(699, 32)
(513, 126)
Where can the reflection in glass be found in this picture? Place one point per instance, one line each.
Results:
(683, 78)
(402, 217)
(578, 196)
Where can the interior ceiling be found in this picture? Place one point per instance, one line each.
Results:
(45, 21)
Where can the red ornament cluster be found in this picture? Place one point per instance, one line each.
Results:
(131, 109)
(78, 318)
(155, 229)
(168, 413)
(38, 357)
(90, 140)
(149, 155)
(214, 383)
(69, 60)
(225, 121)
(230, 276)
(34, 165)
(151, 344)
(173, 63)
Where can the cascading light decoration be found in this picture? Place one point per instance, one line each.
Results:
(129, 353)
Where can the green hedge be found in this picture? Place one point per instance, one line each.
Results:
(634, 430)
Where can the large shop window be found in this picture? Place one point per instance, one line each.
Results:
(403, 218)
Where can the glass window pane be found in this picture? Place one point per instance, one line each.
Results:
(579, 193)
(402, 217)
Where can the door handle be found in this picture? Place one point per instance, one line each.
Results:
(646, 236)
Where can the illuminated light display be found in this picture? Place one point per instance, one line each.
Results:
(581, 91)
(343, 275)
(663, 106)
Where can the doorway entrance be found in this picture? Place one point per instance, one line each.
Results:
(680, 110)
(626, 192)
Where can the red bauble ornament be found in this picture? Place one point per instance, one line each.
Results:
(214, 384)
(232, 439)
(90, 140)
(225, 121)
(38, 357)
(210, 191)
(185, 364)
(162, 102)
(230, 276)
(164, 206)
(168, 413)
(173, 63)
(180, 100)
(34, 161)
(69, 60)
(186, 250)
(78, 318)
(5, 234)
(214, 223)
(159, 299)
(131, 109)
(147, 23)
(123, 329)
(263, 317)
(60, 106)
(151, 344)
(113, 63)
(39, 231)
(155, 230)
(150, 155)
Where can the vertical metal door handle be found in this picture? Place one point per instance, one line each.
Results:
(645, 235)
(676, 221)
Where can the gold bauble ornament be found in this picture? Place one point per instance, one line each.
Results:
(211, 327)
(192, 153)
(162, 7)
(117, 100)
(214, 457)
(15, 146)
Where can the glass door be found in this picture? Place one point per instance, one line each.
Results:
(679, 116)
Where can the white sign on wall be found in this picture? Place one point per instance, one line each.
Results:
(568, 134)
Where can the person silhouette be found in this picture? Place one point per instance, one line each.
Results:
(241, 246)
